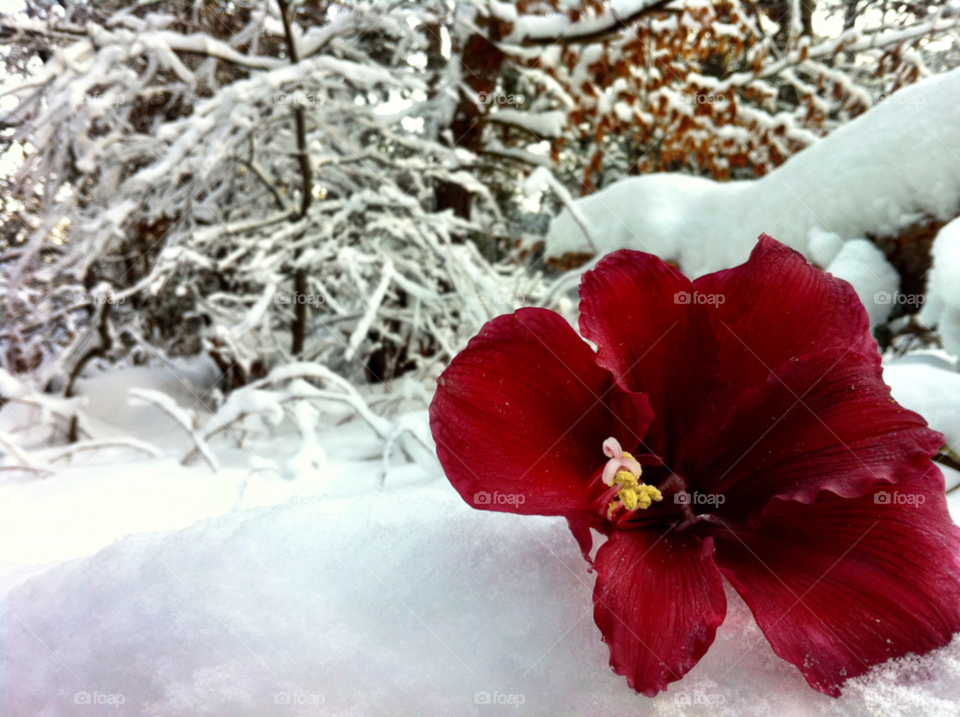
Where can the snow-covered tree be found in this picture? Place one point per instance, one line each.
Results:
(265, 194)
(725, 88)
(344, 182)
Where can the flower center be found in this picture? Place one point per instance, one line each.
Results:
(633, 495)
(623, 470)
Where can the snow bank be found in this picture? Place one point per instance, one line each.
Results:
(942, 308)
(870, 176)
(391, 603)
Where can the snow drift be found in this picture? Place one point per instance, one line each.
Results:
(402, 602)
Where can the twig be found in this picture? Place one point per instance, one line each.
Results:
(129, 443)
(41, 472)
(181, 418)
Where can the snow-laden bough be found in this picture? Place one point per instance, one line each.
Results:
(751, 438)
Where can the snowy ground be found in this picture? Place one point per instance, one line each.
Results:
(279, 588)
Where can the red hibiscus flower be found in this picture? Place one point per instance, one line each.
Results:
(734, 425)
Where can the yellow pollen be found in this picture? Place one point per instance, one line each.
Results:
(647, 495)
(638, 495)
(629, 498)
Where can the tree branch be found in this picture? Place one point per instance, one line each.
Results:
(300, 275)
(600, 29)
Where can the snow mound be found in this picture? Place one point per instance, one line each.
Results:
(873, 175)
(389, 603)
(932, 392)
(943, 289)
(873, 278)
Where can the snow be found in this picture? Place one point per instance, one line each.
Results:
(542, 124)
(40, 522)
(159, 589)
(824, 247)
(873, 278)
(112, 409)
(650, 213)
(294, 548)
(942, 308)
(930, 390)
(872, 176)
(542, 27)
(387, 603)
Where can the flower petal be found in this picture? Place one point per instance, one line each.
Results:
(825, 421)
(520, 416)
(658, 602)
(651, 340)
(777, 306)
(843, 584)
